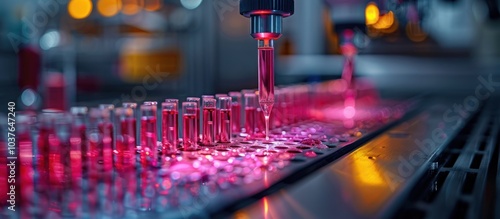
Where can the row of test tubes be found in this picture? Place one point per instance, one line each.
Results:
(206, 121)
(72, 151)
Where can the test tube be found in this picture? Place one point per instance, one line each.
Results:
(170, 125)
(25, 145)
(78, 141)
(266, 79)
(137, 132)
(224, 117)
(250, 103)
(277, 113)
(59, 163)
(46, 139)
(100, 141)
(209, 118)
(235, 111)
(148, 132)
(190, 130)
(125, 138)
(198, 116)
(260, 123)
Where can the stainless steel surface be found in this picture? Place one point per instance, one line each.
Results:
(462, 186)
(366, 183)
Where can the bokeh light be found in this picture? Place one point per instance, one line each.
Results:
(152, 5)
(131, 7)
(385, 21)
(50, 40)
(109, 8)
(191, 4)
(79, 9)
(415, 32)
(371, 13)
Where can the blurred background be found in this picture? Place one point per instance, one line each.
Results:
(93, 51)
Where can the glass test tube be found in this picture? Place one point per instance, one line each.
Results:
(125, 138)
(190, 130)
(198, 116)
(100, 141)
(224, 118)
(170, 125)
(25, 122)
(60, 159)
(106, 129)
(137, 132)
(209, 125)
(78, 153)
(260, 124)
(250, 103)
(148, 133)
(277, 113)
(266, 79)
(47, 139)
(235, 111)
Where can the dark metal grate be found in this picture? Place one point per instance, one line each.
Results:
(466, 181)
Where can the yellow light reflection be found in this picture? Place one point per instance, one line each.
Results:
(366, 171)
(266, 208)
(109, 8)
(79, 9)
(152, 5)
(241, 215)
(371, 13)
(131, 7)
(385, 21)
(415, 32)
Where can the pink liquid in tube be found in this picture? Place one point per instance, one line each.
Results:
(198, 116)
(224, 119)
(106, 156)
(260, 121)
(250, 120)
(266, 83)
(76, 155)
(190, 132)
(235, 111)
(149, 138)
(209, 125)
(125, 144)
(170, 129)
(236, 116)
(225, 125)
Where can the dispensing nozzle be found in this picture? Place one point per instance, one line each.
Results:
(266, 16)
